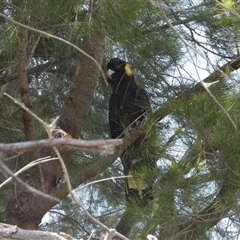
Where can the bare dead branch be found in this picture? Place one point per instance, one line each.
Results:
(31, 164)
(103, 180)
(10, 232)
(70, 191)
(45, 125)
(24, 186)
(161, 8)
(88, 172)
(97, 146)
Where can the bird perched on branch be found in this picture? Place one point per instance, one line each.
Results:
(128, 106)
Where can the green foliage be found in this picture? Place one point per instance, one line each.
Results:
(197, 146)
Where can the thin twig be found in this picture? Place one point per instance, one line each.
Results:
(101, 180)
(206, 87)
(59, 39)
(24, 186)
(38, 68)
(31, 164)
(45, 125)
(171, 26)
(112, 232)
(187, 45)
(91, 235)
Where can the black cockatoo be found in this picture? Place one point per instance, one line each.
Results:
(128, 106)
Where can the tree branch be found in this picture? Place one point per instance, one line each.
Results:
(192, 228)
(29, 165)
(24, 186)
(187, 95)
(71, 120)
(59, 39)
(39, 68)
(200, 222)
(10, 232)
(165, 109)
(97, 146)
(24, 90)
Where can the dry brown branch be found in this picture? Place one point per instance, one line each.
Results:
(90, 146)
(48, 127)
(10, 232)
(24, 186)
(97, 146)
(161, 8)
(31, 164)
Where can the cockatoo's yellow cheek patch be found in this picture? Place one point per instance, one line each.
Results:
(128, 70)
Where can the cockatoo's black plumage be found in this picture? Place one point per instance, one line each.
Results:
(128, 105)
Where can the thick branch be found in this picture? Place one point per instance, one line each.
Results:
(81, 94)
(165, 109)
(10, 232)
(23, 83)
(192, 228)
(98, 146)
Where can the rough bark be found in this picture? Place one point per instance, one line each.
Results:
(80, 97)
(27, 119)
